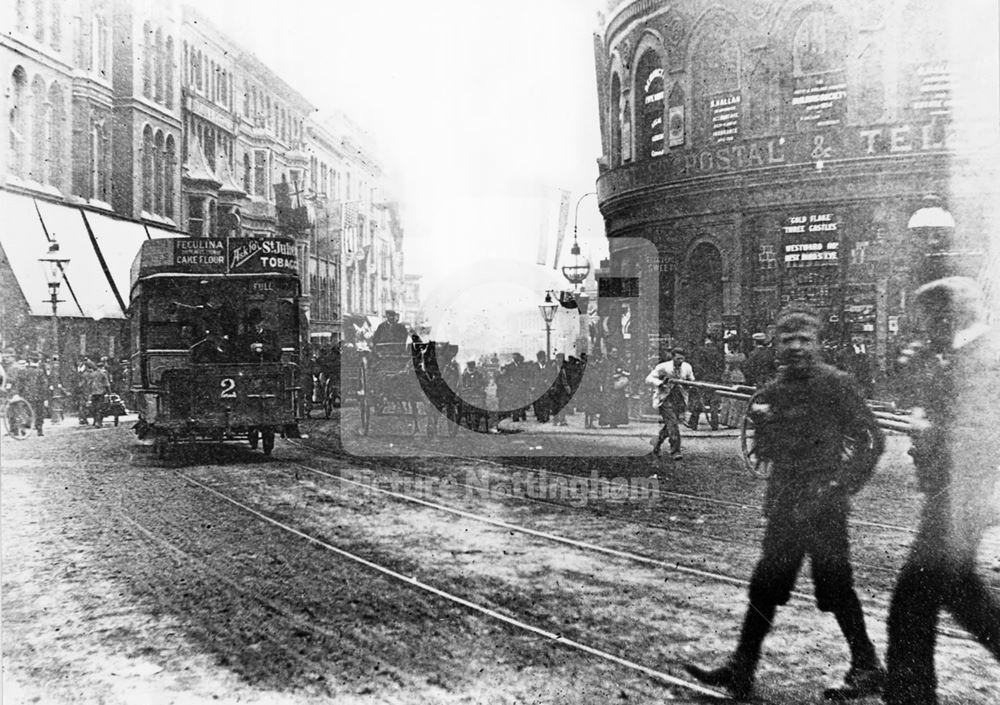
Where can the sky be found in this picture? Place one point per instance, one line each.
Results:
(482, 112)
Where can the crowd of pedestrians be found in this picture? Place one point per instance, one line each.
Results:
(91, 389)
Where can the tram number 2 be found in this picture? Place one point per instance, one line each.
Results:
(228, 385)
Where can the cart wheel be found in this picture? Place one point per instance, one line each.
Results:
(253, 436)
(756, 466)
(267, 436)
(364, 403)
(18, 418)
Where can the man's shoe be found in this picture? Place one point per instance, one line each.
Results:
(858, 683)
(676, 455)
(736, 679)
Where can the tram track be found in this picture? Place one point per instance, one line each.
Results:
(672, 564)
(412, 582)
(598, 509)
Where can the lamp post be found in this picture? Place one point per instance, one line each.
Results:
(53, 265)
(548, 311)
(576, 272)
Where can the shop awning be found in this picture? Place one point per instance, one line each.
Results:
(118, 242)
(23, 240)
(84, 272)
(100, 250)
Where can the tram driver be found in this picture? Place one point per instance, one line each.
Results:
(391, 335)
(259, 343)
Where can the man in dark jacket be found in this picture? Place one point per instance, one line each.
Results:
(803, 419)
(955, 450)
(708, 363)
(32, 383)
(760, 367)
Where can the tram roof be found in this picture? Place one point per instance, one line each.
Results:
(215, 256)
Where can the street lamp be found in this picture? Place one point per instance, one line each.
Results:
(548, 311)
(53, 265)
(932, 227)
(576, 272)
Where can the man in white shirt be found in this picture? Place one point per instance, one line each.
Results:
(670, 398)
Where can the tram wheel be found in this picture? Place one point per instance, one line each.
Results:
(268, 440)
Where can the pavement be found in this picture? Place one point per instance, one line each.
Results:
(644, 427)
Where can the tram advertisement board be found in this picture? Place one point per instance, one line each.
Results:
(206, 255)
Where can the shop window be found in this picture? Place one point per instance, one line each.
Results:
(716, 90)
(650, 114)
(819, 56)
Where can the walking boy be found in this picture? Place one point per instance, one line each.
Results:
(803, 418)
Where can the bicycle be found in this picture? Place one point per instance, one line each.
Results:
(17, 418)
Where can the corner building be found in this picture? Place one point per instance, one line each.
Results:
(776, 151)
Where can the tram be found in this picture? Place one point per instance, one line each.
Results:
(215, 338)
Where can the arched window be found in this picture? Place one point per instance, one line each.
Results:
(676, 122)
(100, 173)
(169, 175)
(764, 83)
(926, 72)
(819, 58)
(223, 93)
(158, 171)
(715, 85)
(168, 87)
(615, 121)
(247, 173)
(55, 28)
(16, 123)
(147, 169)
(57, 143)
(103, 43)
(39, 130)
(649, 115)
(40, 20)
(158, 66)
(147, 60)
